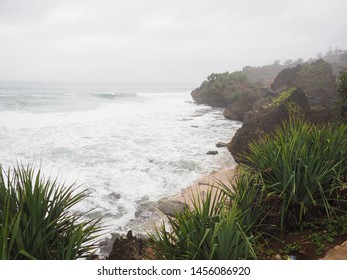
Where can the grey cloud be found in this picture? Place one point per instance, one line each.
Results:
(152, 40)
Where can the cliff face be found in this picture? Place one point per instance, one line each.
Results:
(315, 79)
(266, 119)
(245, 106)
(237, 109)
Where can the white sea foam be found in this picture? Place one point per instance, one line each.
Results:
(128, 149)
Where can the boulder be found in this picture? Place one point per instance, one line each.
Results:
(221, 144)
(266, 120)
(237, 109)
(212, 153)
(171, 207)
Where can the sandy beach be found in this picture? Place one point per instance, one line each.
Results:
(202, 185)
(152, 215)
(197, 189)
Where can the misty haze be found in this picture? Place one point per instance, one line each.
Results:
(146, 103)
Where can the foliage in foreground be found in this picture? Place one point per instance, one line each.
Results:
(301, 167)
(211, 230)
(36, 220)
(293, 176)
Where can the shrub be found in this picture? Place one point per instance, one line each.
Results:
(246, 192)
(36, 220)
(301, 165)
(208, 231)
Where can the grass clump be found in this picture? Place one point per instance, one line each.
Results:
(36, 220)
(209, 231)
(301, 166)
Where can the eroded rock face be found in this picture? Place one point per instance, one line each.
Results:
(236, 110)
(267, 119)
(128, 248)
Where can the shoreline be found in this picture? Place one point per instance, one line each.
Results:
(201, 185)
(150, 216)
(196, 191)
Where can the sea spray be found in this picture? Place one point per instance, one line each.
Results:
(128, 147)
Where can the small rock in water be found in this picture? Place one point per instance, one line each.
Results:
(195, 126)
(221, 144)
(114, 196)
(212, 153)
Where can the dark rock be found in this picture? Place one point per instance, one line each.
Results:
(240, 109)
(292, 102)
(195, 126)
(130, 234)
(221, 144)
(286, 79)
(114, 196)
(212, 153)
(171, 207)
(128, 248)
(321, 116)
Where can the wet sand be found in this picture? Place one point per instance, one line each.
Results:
(201, 186)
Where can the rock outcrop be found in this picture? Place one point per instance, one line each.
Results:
(266, 119)
(129, 248)
(315, 79)
(237, 109)
(226, 89)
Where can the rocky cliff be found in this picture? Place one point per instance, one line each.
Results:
(267, 118)
(315, 79)
(228, 90)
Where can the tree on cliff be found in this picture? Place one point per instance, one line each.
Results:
(223, 88)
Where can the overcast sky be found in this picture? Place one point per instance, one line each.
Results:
(160, 40)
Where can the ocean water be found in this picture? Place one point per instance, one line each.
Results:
(129, 145)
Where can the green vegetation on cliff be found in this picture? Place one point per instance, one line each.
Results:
(301, 166)
(224, 88)
(292, 180)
